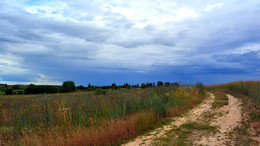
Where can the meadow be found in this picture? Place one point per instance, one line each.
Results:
(89, 118)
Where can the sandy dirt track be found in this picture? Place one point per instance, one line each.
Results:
(225, 118)
(230, 120)
(190, 116)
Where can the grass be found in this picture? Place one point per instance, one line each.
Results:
(220, 99)
(246, 88)
(197, 126)
(87, 118)
(249, 92)
(183, 135)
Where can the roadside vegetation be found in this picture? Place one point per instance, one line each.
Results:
(185, 134)
(209, 129)
(220, 98)
(249, 93)
(103, 116)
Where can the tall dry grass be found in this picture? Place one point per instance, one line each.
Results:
(248, 91)
(248, 88)
(90, 119)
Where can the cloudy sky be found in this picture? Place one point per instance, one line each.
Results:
(103, 42)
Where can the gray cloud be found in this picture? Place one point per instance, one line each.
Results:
(52, 37)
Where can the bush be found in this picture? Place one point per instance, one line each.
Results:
(81, 87)
(20, 92)
(68, 86)
(159, 83)
(32, 89)
(143, 85)
(9, 91)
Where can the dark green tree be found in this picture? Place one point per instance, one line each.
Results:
(16, 87)
(81, 87)
(167, 84)
(159, 83)
(31, 89)
(9, 91)
(68, 86)
(143, 85)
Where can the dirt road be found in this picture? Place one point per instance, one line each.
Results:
(231, 118)
(191, 115)
(224, 119)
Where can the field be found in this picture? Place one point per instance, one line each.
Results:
(89, 118)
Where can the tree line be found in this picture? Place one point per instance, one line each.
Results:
(69, 86)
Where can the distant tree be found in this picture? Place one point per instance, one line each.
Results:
(167, 84)
(149, 84)
(159, 83)
(114, 86)
(31, 89)
(68, 86)
(16, 87)
(81, 87)
(175, 84)
(126, 85)
(9, 91)
(143, 85)
(20, 92)
(90, 86)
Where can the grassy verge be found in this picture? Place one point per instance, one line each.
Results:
(249, 92)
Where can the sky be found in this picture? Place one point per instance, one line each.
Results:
(103, 42)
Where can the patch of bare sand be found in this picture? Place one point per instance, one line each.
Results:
(189, 116)
(231, 119)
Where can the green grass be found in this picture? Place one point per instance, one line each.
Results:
(184, 134)
(197, 126)
(164, 139)
(220, 99)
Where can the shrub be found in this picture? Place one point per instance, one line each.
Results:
(9, 91)
(81, 87)
(20, 92)
(159, 83)
(68, 86)
(143, 85)
(32, 89)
